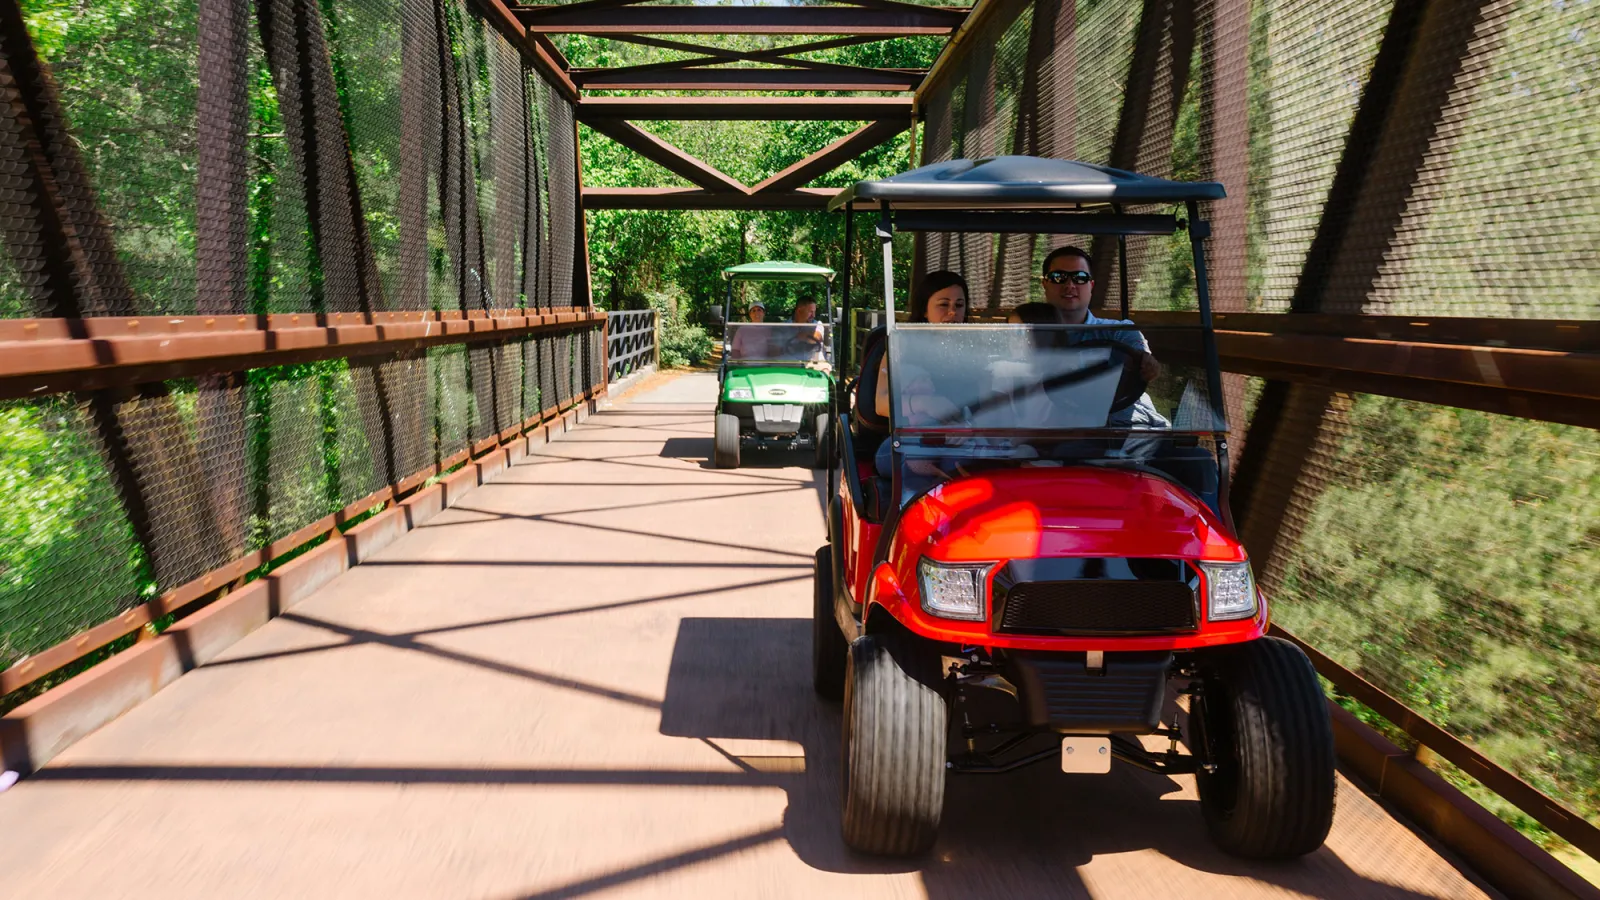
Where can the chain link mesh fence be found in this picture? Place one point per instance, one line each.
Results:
(282, 156)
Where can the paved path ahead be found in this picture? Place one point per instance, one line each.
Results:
(591, 678)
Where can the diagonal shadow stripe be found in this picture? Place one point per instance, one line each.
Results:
(408, 775)
(656, 866)
(510, 620)
(405, 642)
(621, 507)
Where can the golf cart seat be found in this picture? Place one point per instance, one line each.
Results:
(868, 430)
(867, 427)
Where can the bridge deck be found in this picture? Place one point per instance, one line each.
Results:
(591, 677)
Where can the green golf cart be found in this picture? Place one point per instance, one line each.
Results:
(776, 377)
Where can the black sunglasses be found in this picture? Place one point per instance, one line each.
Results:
(1061, 277)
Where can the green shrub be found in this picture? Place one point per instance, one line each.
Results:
(682, 344)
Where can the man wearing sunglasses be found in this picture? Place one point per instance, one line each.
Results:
(1068, 286)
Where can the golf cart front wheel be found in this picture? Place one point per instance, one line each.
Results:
(895, 730)
(829, 651)
(1264, 721)
(725, 453)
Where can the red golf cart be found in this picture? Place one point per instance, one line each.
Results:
(1031, 559)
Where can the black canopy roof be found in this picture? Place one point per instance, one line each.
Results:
(1023, 182)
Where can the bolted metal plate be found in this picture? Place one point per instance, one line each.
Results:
(1086, 755)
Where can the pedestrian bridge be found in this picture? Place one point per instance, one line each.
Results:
(352, 544)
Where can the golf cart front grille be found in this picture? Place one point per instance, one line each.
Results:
(1127, 597)
(778, 418)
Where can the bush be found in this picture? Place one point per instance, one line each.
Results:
(682, 344)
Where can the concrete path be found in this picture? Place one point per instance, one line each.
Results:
(591, 678)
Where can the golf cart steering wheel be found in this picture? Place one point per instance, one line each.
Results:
(1132, 385)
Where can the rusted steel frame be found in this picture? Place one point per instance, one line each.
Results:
(742, 20)
(1545, 810)
(44, 356)
(692, 198)
(1498, 369)
(718, 109)
(695, 71)
(711, 56)
(953, 57)
(1573, 335)
(692, 70)
(747, 55)
(833, 156)
(897, 5)
(546, 59)
(762, 79)
(667, 156)
(1448, 374)
(581, 5)
(1522, 404)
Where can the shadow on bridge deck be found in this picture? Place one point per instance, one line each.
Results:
(591, 677)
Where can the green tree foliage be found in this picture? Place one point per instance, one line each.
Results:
(634, 253)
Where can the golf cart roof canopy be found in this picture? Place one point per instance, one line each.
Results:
(778, 270)
(1024, 183)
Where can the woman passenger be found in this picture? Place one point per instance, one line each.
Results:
(940, 298)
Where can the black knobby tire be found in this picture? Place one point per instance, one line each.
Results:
(829, 650)
(894, 755)
(725, 453)
(1265, 718)
(823, 452)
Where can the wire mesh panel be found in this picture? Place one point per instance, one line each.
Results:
(126, 79)
(450, 399)
(1503, 215)
(296, 484)
(561, 146)
(1450, 557)
(68, 556)
(549, 397)
(1308, 66)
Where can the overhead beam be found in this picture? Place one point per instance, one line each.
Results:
(809, 47)
(690, 198)
(915, 20)
(759, 80)
(832, 156)
(667, 156)
(812, 77)
(759, 109)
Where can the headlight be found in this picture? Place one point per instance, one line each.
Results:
(741, 394)
(955, 591)
(1230, 591)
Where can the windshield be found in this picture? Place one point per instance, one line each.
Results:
(1041, 379)
(973, 398)
(780, 342)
